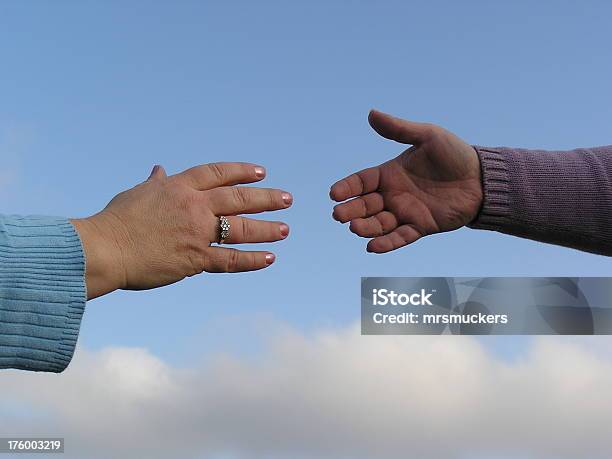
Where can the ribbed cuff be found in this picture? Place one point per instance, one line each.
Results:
(495, 209)
(42, 292)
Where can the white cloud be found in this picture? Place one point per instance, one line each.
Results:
(332, 395)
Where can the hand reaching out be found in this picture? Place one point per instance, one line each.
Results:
(161, 231)
(431, 187)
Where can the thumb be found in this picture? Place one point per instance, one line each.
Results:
(402, 131)
(158, 172)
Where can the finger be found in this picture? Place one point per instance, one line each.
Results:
(401, 236)
(158, 172)
(361, 207)
(377, 225)
(224, 260)
(362, 182)
(236, 200)
(213, 175)
(400, 130)
(247, 230)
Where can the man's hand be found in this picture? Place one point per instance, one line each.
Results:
(161, 231)
(431, 187)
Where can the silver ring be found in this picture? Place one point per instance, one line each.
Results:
(224, 229)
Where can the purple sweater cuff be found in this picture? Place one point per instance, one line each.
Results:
(559, 197)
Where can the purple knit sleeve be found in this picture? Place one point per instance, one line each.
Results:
(559, 197)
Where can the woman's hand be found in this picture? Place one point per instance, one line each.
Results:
(161, 231)
(431, 187)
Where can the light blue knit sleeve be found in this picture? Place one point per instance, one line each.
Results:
(42, 292)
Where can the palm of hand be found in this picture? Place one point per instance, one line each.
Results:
(431, 187)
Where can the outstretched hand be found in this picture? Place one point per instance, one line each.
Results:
(431, 187)
(162, 230)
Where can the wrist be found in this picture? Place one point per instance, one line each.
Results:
(104, 271)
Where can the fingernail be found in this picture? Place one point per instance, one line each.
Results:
(284, 230)
(287, 198)
(270, 258)
(260, 172)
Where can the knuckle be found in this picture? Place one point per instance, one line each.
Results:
(432, 130)
(217, 171)
(190, 214)
(357, 186)
(246, 230)
(240, 197)
(365, 206)
(253, 261)
(216, 261)
(383, 227)
(232, 262)
(180, 198)
(197, 262)
(186, 201)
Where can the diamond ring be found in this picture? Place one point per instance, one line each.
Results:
(224, 229)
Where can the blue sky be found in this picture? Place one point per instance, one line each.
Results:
(93, 94)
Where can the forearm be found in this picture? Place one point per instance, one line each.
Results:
(559, 197)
